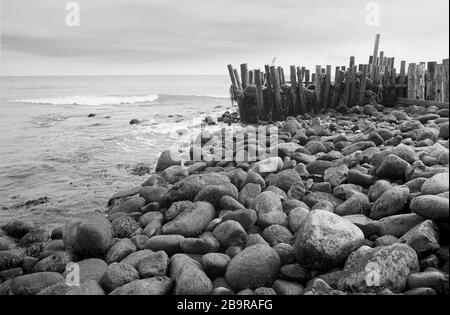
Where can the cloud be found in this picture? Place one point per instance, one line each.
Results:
(204, 35)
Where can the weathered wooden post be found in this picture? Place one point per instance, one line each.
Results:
(353, 92)
(439, 88)
(259, 94)
(307, 77)
(270, 97)
(412, 75)
(238, 80)
(300, 75)
(294, 88)
(431, 81)
(244, 75)
(318, 88)
(421, 81)
(375, 56)
(327, 87)
(402, 79)
(446, 80)
(362, 85)
(277, 115)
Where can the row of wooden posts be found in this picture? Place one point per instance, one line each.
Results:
(267, 95)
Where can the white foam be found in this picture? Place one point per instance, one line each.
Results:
(92, 100)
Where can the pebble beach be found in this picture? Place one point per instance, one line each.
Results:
(355, 201)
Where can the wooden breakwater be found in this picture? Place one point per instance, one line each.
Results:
(266, 95)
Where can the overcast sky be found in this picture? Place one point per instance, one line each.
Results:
(203, 36)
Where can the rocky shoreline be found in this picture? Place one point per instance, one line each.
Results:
(355, 202)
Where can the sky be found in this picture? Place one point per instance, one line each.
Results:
(138, 37)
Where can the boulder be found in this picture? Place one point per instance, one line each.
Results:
(265, 202)
(436, 185)
(391, 202)
(230, 233)
(88, 237)
(192, 221)
(33, 283)
(285, 179)
(120, 250)
(424, 238)
(117, 275)
(325, 240)
(154, 265)
(393, 168)
(152, 286)
(256, 266)
(166, 159)
(370, 270)
(431, 207)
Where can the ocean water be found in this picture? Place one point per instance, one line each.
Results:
(49, 147)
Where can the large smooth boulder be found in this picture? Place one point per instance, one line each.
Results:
(214, 193)
(192, 221)
(285, 179)
(88, 237)
(393, 168)
(325, 240)
(372, 270)
(117, 275)
(391, 202)
(436, 185)
(33, 283)
(431, 207)
(256, 266)
(152, 286)
(189, 187)
(265, 202)
(424, 238)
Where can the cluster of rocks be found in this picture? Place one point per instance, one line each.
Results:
(229, 117)
(353, 203)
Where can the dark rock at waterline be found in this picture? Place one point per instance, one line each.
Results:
(89, 237)
(135, 122)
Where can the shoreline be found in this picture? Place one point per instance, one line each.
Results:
(368, 175)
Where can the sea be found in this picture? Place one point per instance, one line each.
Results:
(67, 145)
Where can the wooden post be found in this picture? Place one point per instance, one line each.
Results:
(352, 61)
(326, 91)
(439, 91)
(402, 78)
(375, 56)
(269, 89)
(339, 78)
(294, 88)
(307, 77)
(251, 77)
(362, 85)
(318, 88)
(244, 75)
(347, 86)
(421, 81)
(300, 74)
(313, 77)
(238, 80)
(259, 93)
(353, 92)
(381, 60)
(232, 77)
(431, 81)
(277, 115)
(282, 78)
(412, 73)
(445, 80)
